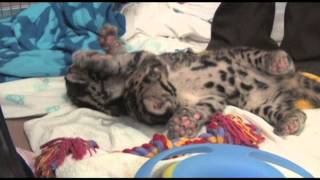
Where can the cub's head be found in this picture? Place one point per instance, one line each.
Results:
(149, 96)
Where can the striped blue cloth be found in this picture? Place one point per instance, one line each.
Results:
(39, 41)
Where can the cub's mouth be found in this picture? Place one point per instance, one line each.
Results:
(157, 106)
(159, 110)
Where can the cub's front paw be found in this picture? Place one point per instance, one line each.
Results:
(184, 123)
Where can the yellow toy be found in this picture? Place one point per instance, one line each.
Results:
(305, 104)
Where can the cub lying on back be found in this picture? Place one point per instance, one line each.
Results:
(182, 89)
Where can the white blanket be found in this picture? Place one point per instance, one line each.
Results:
(148, 29)
(115, 134)
(32, 97)
(165, 27)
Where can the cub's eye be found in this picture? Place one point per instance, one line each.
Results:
(153, 75)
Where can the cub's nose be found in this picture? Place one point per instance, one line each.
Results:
(157, 106)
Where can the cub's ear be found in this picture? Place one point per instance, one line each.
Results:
(76, 86)
(116, 86)
(75, 76)
(110, 40)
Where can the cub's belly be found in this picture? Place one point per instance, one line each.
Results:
(193, 86)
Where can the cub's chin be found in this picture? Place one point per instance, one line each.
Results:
(151, 118)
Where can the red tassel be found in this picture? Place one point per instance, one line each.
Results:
(55, 151)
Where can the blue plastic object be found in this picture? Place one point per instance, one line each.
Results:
(223, 160)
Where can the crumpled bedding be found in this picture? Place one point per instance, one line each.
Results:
(115, 134)
(39, 41)
(33, 96)
(148, 27)
(47, 95)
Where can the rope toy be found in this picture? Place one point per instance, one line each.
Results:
(55, 151)
(222, 129)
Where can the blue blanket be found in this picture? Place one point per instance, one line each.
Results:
(40, 40)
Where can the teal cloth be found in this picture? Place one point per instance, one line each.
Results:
(40, 40)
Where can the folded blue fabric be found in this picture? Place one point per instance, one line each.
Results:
(40, 40)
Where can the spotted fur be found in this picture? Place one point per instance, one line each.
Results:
(183, 89)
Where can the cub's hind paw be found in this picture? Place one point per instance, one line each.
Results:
(292, 124)
(280, 63)
(109, 37)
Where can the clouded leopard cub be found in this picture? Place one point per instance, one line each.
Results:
(182, 89)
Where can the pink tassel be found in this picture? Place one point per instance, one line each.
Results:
(55, 151)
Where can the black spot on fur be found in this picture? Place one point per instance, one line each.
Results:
(307, 83)
(242, 73)
(231, 54)
(231, 80)
(224, 58)
(197, 68)
(260, 84)
(173, 88)
(231, 70)
(93, 75)
(316, 88)
(103, 90)
(205, 64)
(209, 84)
(277, 96)
(266, 110)
(208, 63)
(223, 75)
(249, 59)
(270, 116)
(258, 61)
(141, 88)
(257, 110)
(242, 55)
(210, 106)
(137, 57)
(168, 88)
(234, 94)
(209, 98)
(93, 88)
(147, 80)
(279, 117)
(220, 88)
(256, 52)
(246, 87)
(99, 93)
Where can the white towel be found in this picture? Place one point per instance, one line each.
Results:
(33, 96)
(166, 27)
(116, 134)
